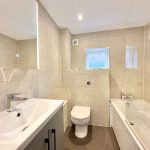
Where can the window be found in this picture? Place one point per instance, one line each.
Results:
(97, 58)
(131, 57)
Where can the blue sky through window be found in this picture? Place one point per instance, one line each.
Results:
(97, 58)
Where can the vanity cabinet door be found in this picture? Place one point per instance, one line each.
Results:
(40, 141)
(57, 131)
(51, 136)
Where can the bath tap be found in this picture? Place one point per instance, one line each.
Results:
(128, 97)
(10, 101)
(123, 96)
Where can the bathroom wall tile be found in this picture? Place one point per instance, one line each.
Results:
(96, 96)
(49, 52)
(48, 89)
(96, 80)
(28, 53)
(24, 74)
(1, 76)
(121, 79)
(8, 50)
(3, 86)
(80, 92)
(75, 83)
(65, 71)
(65, 81)
(97, 99)
(147, 64)
(67, 96)
(146, 93)
(24, 86)
(3, 100)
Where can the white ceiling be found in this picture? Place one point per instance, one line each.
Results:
(18, 18)
(98, 15)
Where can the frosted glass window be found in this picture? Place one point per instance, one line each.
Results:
(131, 57)
(97, 58)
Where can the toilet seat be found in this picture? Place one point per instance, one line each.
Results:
(80, 116)
(79, 121)
(80, 113)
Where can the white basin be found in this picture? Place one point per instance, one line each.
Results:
(24, 123)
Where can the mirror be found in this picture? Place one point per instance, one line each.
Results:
(18, 34)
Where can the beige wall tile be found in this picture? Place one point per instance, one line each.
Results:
(8, 51)
(97, 99)
(147, 64)
(49, 52)
(74, 82)
(121, 79)
(28, 53)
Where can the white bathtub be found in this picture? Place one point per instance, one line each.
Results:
(131, 137)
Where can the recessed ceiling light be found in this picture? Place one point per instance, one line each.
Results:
(80, 17)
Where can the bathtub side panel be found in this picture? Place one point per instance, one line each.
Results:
(124, 138)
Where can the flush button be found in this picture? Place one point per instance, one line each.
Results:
(88, 83)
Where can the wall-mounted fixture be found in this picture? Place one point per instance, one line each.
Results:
(80, 17)
(88, 83)
(17, 55)
(75, 42)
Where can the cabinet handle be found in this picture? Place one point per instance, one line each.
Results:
(53, 131)
(47, 140)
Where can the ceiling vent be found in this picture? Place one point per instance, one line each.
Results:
(75, 42)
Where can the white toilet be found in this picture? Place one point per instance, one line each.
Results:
(80, 116)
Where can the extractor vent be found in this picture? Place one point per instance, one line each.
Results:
(75, 42)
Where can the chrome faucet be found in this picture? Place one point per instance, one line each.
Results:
(10, 101)
(127, 97)
(130, 97)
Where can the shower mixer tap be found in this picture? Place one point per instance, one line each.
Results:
(127, 97)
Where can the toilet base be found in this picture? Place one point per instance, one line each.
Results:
(81, 131)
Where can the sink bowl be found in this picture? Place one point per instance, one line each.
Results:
(28, 113)
(10, 126)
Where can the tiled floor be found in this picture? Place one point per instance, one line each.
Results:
(99, 138)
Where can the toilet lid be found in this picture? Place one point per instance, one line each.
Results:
(80, 112)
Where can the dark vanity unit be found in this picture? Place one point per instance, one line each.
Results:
(51, 136)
